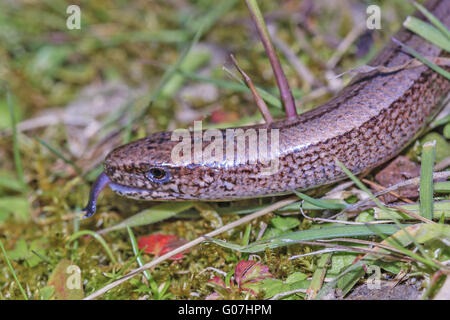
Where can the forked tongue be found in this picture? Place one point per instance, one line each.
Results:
(99, 184)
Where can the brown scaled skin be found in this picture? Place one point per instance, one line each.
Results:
(368, 123)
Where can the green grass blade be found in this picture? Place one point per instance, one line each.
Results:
(428, 32)
(440, 208)
(320, 203)
(60, 155)
(392, 217)
(97, 237)
(193, 61)
(425, 61)
(426, 180)
(361, 185)
(319, 275)
(154, 214)
(12, 271)
(9, 181)
(330, 285)
(136, 251)
(440, 122)
(266, 96)
(439, 25)
(442, 187)
(246, 237)
(332, 232)
(311, 234)
(16, 152)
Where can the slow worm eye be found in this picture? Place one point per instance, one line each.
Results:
(159, 175)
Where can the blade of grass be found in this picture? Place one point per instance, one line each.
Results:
(425, 61)
(137, 252)
(320, 203)
(97, 237)
(310, 234)
(417, 233)
(122, 270)
(152, 36)
(283, 85)
(12, 271)
(330, 285)
(427, 32)
(265, 95)
(9, 181)
(154, 214)
(425, 260)
(318, 276)
(361, 185)
(16, 152)
(258, 100)
(423, 231)
(194, 60)
(426, 180)
(439, 25)
(439, 208)
(246, 237)
(61, 156)
(440, 122)
(442, 187)
(409, 182)
(76, 228)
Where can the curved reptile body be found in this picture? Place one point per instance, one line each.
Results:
(367, 123)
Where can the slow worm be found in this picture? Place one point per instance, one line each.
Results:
(366, 124)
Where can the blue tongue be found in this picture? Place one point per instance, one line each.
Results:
(99, 184)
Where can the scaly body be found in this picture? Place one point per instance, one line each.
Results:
(368, 123)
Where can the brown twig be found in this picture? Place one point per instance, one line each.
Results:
(413, 181)
(365, 242)
(259, 101)
(393, 255)
(380, 188)
(442, 165)
(413, 215)
(341, 221)
(285, 91)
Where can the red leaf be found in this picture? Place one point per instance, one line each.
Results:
(247, 277)
(160, 244)
(248, 273)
